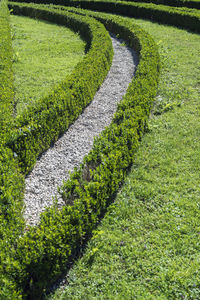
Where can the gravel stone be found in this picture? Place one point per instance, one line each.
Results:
(53, 167)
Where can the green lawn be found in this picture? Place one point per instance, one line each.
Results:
(44, 54)
(148, 245)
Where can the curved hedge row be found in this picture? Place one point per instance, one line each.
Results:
(42, 253)
(72, 95)
(42, 123)
(6, 72)
(174, 3)
(11, 222)
(11, 181)
(193, 4)
(179, 17)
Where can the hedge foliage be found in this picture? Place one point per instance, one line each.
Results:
(43, 251)
(72, 95)
(38, 257)
(180, 17)
(6, 72)
(174, 3)
(41, 124)
(11, 181)
(11, 221)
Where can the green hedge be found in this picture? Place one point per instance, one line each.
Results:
(96, 64)
(179, 17)
(174, 3)
(11, 222)
(44, 251)
(43, 123)
(11, 182)
(38, 257)
(6, 72)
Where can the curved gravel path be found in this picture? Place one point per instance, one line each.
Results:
(54, 165)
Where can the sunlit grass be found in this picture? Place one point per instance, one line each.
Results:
(180, 76)
(44, 54)
(148, 245)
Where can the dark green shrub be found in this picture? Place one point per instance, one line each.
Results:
(174, 3)
(180, 17)
(72, 96)
(44, 122)
(11, 222)
(6, 72)
(44, 251)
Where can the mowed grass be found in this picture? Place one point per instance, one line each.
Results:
(44, 54)
(148, 244)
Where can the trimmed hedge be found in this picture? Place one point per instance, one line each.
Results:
(11, 221)
(11, 193)
(11, 181)
(174, 3)
(6, 72)
(43, 252)
(38, 257)
(96, 63)
(179, 17)
(41, 124)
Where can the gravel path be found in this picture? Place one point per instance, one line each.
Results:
(54, 165)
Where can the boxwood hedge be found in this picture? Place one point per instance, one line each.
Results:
(40, 255)
(180, 17)
(6, 72)
(43, 252)
(11, 181)
(60, 108)
(174, 3)
(42, 123)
